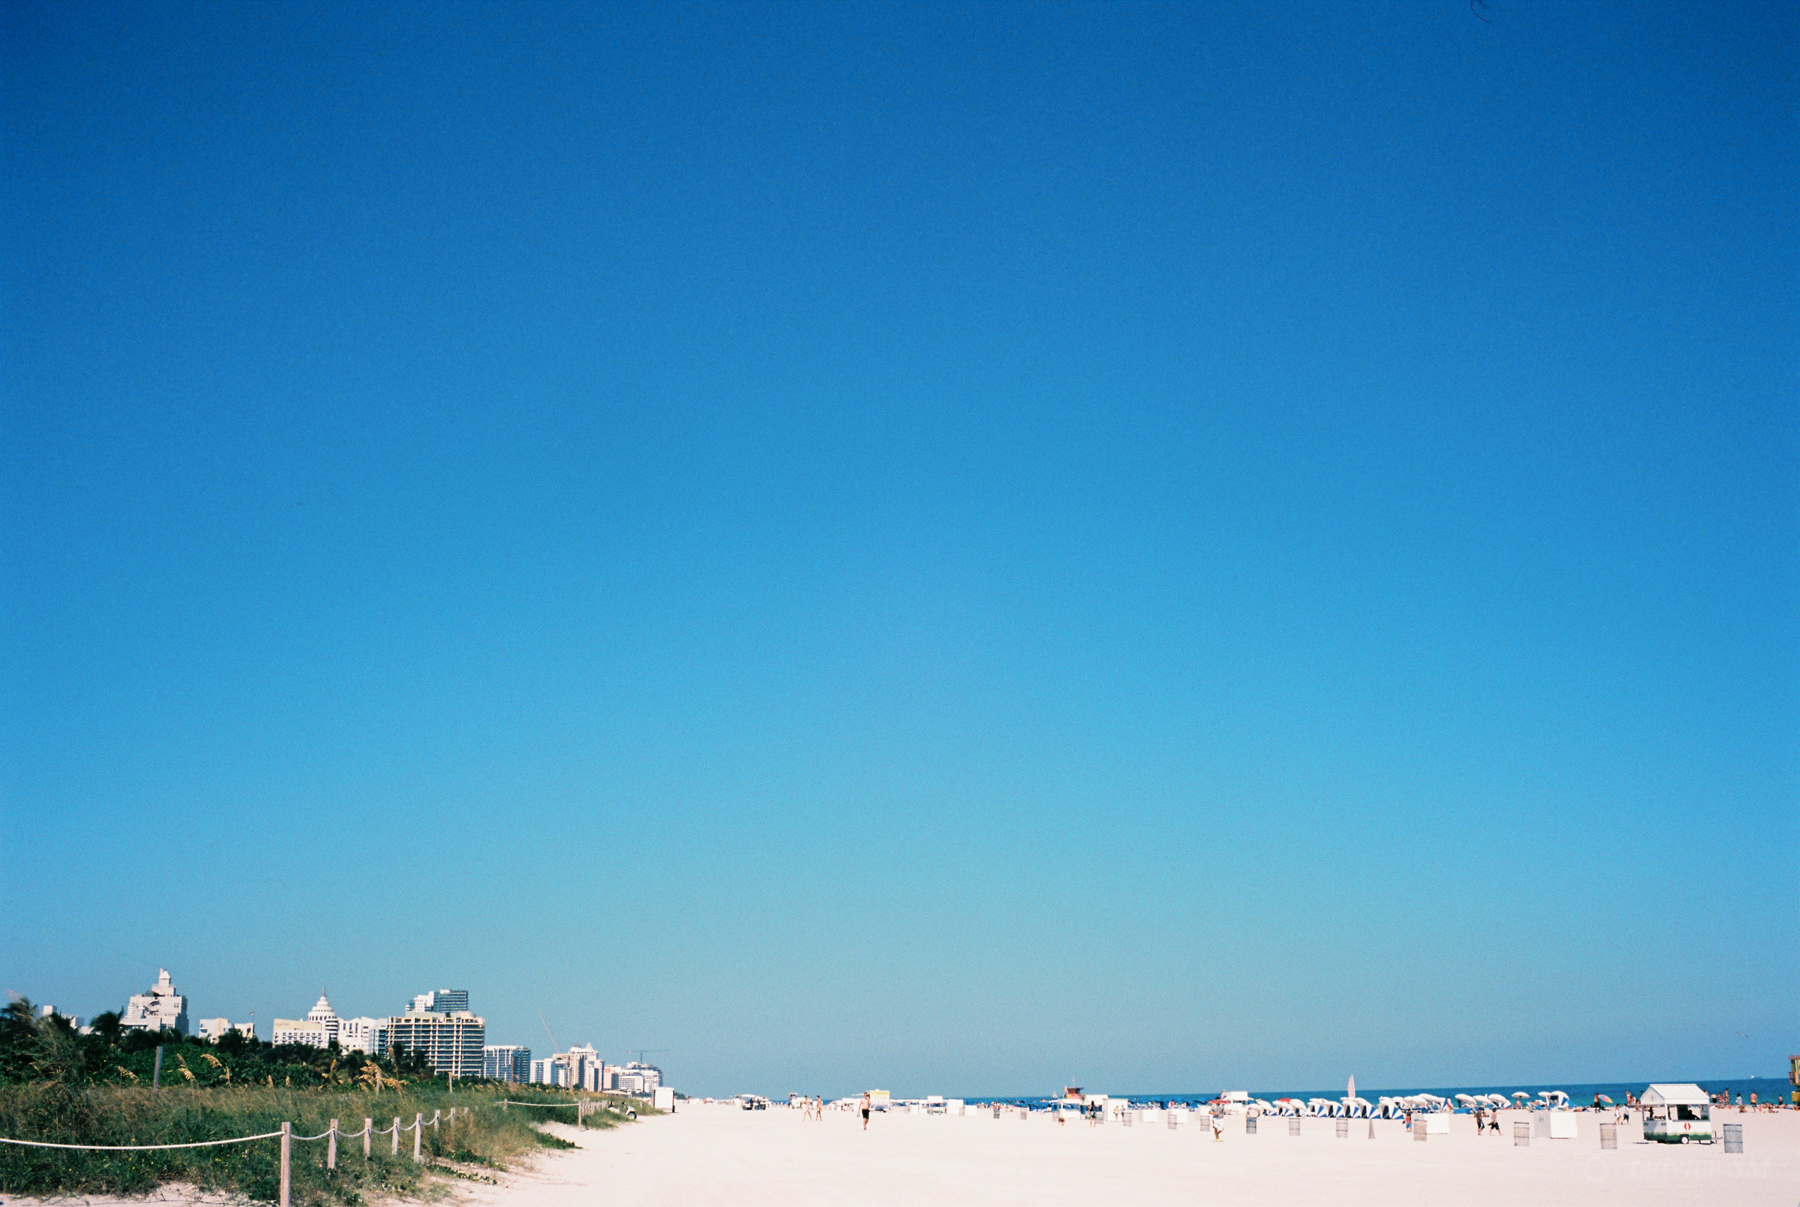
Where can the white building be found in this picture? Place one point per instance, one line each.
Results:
(216, 1029)
(300, 1031)
(634, 1078)
(325, 1016)
(578, 1068)
(158, 1009)
(368, 1035)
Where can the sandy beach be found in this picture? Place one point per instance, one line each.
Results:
(708, 1154)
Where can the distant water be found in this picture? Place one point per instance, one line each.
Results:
(1580, 1094)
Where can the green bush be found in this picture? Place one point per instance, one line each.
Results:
(485, 1137)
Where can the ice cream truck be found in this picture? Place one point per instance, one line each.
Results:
(1677, 1114)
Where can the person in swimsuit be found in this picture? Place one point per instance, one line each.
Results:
(865, 1111)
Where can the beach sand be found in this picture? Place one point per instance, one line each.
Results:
(707, 1155)
(721, 1155)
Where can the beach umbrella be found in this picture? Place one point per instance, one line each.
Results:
(1606, 1100)
(1521, 1094)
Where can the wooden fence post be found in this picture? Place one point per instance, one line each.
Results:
(396, 1148)
(368, 1135)
(418, 1135)
(331, 1146)
(287, 1153)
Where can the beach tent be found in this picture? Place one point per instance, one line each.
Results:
(1677, 1113)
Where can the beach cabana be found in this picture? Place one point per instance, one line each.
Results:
(1677, 1113)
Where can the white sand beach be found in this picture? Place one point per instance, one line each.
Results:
(723, 1155)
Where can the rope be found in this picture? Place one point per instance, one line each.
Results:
(550, 1105)
(320, 1136)
(142, 1147)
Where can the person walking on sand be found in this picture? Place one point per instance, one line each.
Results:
(1218, 1126)
(865, 1111)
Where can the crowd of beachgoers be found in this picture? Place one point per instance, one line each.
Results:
(1100, 1107)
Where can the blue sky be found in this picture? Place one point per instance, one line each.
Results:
(944, 547)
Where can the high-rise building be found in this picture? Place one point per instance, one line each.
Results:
(161, 1007)
(450, 1040)
(441, 1001)
(506, 1062)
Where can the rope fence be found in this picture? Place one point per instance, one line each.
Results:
(117, 1148)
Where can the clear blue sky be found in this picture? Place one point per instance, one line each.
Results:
(943, 547)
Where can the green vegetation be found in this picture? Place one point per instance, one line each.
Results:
(59, 1086)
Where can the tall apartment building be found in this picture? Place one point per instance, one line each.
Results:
(450, 1040)
(506, 1062)
(158, 1008)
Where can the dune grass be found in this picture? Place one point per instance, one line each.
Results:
(483, 1137)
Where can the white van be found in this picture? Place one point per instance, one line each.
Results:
(1677, 1114)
